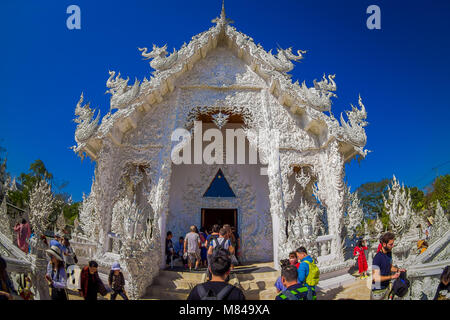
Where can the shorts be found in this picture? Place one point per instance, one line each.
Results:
(379, 294)
(194, 256)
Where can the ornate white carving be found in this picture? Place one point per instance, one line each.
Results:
(398, 207)
(87, 125)
(320, 96)
(121, 93)
(220, 71)
(354, 131)
(41, 206)
(440, 225)
(355, 214)
(220, 119)
(160, 61)
(302, 178)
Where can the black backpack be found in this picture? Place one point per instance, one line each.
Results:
(210, 295)
(400, 286)
(218, 246)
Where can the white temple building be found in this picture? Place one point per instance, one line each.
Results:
(291, 194)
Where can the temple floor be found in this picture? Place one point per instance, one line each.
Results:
(255, 279)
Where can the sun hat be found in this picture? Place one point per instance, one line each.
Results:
(55, 252)
(115, 266)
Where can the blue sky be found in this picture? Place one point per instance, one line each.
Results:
(401, 71)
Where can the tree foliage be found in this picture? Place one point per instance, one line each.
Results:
(440, 192)
(371, 198)
(28, 181)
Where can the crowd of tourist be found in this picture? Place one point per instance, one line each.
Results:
(217, 250)
(194, 249)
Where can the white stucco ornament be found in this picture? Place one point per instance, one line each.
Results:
(221, 75)
(86, 122)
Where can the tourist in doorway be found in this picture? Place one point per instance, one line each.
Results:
(217, 288)
(294, 290)
(192, 247)
(362, 261)
(6, 285)
(203, 251)
(116, 282)
(219, 243)
(23, 231)
(169, 249)
(237, 247)
(90, 282)
(308, 273)
(56, 274)
(179, 251)
(214, 234)
(230, 236)
(442, 292)
(382, 268)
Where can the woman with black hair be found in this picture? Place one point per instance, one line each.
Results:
(362, 261)
(6, 285)
(442, 289)
(56, 274)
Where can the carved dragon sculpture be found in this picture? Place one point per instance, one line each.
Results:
(160, 62)
(86, 124)
(121, 93)
(320, 96)
(354, 130)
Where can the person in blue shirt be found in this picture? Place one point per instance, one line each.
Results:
(382, 268)
(58, 243)
(303, 268)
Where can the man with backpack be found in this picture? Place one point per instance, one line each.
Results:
(382, 268)
(294, 290)
(308, 272)
(217, 243)
(217, 288)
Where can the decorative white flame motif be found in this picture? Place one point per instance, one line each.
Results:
(302, 178)
(220, 119)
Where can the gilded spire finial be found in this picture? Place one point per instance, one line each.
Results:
(222, 14)
(223, 18)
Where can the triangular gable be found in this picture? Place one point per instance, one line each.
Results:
(219, 187)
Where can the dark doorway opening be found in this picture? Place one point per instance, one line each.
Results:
(211, 217)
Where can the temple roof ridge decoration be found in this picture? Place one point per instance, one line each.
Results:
(131, 101)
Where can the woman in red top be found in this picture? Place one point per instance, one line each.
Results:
(362, 262)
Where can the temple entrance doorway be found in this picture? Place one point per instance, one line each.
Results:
(211, 217)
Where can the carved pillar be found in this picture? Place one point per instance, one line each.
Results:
(165, 165)
(106, 190)
(331, 193)
(39, 269)
(274, 172)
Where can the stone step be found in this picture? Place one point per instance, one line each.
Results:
(163, 293)
(174, 275)
(267, 294)
(258, 276)
(175, 284)
(335, 282)
(257, 284)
